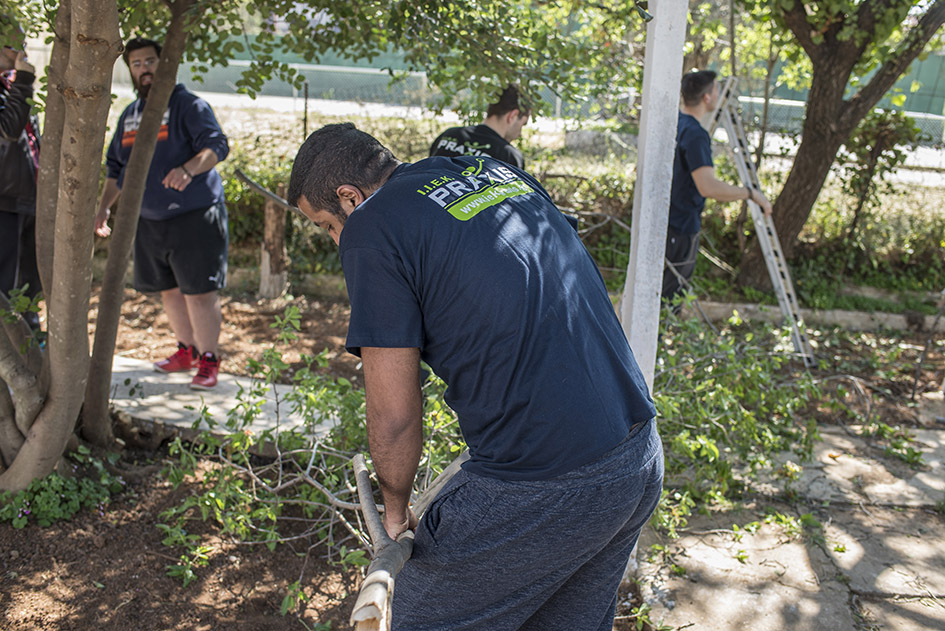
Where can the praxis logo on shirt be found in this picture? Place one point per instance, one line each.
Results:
(476, 190)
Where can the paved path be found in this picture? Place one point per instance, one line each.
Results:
(166, 403)
(877, 560)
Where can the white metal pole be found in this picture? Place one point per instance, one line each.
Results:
(662, 72)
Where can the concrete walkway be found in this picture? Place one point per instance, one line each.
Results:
(869, 555)
(164, 403)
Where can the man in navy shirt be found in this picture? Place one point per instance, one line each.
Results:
(465, 263)
(181, 241)
(694, 180)
(503, 125)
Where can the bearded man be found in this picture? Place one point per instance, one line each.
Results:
(182, 239)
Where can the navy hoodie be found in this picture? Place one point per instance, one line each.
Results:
(188, 127)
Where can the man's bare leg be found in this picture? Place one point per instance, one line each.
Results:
(205, 320)
(176, 308)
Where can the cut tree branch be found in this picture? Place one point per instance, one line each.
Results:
(372, 608)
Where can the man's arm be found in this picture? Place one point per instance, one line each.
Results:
(109, 194)
(394, 428)
(710, 186)
(179, 177)
(14, 108)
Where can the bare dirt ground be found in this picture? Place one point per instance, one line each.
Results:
(107, 569)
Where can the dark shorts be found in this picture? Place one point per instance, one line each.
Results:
(188, 251)
(499, 555)
(681, 252)
(18, 253)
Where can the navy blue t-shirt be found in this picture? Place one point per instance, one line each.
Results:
(476, 140)
(468, 260)
(693, 151)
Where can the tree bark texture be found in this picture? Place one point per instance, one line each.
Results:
(54, 116)
(830, 119)
(273, 272)
(96, 422)
(94, 43)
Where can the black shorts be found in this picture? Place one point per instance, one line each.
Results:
(681, 251)
(188, 251)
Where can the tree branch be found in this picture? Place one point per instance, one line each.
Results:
(795, 19)
(887, 75)
(20, 335)
(866, 18)
(24, 384)
(866, 22)
(11, 439)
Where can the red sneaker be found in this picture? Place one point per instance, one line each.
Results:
(206, 376)
(184, 359)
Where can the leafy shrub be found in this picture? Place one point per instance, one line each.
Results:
(57, 497)
(302, 487)
(726, 403)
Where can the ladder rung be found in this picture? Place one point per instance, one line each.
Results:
(727, 115)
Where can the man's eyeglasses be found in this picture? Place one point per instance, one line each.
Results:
(150, 62)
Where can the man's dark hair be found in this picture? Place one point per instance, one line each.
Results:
(334, 155)
(696, 84)
(137, 43)
(511, 99)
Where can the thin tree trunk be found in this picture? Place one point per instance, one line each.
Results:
(96, 422)
(731, 31)
(766, 102)
(21, 392)
(86, 86)
(54, 116)
(867, 187)
(272, 270)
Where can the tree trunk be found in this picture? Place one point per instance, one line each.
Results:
(821, 140)
(21, 393)
(85, 89)
(830, 119)
(53, 120)
(273, 274)
(96, 422)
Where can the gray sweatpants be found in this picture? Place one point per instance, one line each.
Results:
(496, 554)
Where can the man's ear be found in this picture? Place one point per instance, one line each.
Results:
(350, 197)
(512, 116)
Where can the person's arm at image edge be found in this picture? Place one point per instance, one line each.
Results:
(710, 186)
(110, 194)
(394, 428)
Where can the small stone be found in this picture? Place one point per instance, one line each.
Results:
(98, 541)
(14, 555)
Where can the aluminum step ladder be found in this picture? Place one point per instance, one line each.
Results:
(727, 115)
